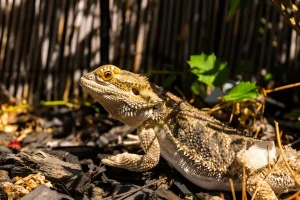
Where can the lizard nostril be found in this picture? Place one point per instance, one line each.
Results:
(135, 91)
(89, 76)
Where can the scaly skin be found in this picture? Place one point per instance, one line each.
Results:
(200, 147)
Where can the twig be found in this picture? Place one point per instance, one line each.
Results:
(244, 194)
(256, 190)
(133, 140)
(288, 17)
(270, 170)
(136, 190)
(131, 143)
(222, 196)
(283, 154)
(232, 189)
(293, 143)
(283, 87)
(257, 132)
(133, 137)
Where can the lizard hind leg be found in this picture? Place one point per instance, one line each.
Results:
(258, 186)
(135, 162)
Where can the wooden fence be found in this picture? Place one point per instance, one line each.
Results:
(45, 46)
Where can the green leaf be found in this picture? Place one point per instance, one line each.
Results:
(208, 69)
(197, 90)
(201, 63)
(242, 91)
(234, 5)
(268, 77)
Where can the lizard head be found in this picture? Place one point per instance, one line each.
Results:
(126, 96)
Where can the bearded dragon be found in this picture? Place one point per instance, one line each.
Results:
(204, 150)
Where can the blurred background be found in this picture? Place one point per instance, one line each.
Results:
(45, 46)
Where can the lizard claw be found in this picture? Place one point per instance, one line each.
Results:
(123, 160)
(107, 161)
(114, 161)
(131, 162)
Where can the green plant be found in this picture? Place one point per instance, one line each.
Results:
(242, 91)
(214, 73)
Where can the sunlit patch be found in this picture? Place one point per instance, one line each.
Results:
(186, 170)
(259, 155)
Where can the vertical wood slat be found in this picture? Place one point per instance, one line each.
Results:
(33, 56)
(21, 44)
(172, 48)
(153, 32)
(215, 8)
(269, 58)
(233, 38)
(15, 63)
(76, 55)
(168, 39)
(161, 38)
(115, 31)
(10, 42)
(7, 10)
(185, 34)
(125, 14)
(243, 32)
(263, 44)
(141, 34)
(55, 62)
(95, 40)
(2, 6)
(193, 27)
(222, 32)
(104, 31)
(64, 89)
(68, 49)
(133, 9)
(146, 38)
(47, 49)
(22, 93)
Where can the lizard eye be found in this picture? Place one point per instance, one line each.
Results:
(107, 72)
(107, 75)
(135, 91)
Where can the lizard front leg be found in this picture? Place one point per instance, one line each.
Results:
(135, 162)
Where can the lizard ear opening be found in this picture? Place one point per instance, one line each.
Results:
(135, 91)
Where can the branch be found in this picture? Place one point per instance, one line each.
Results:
(289, 17)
